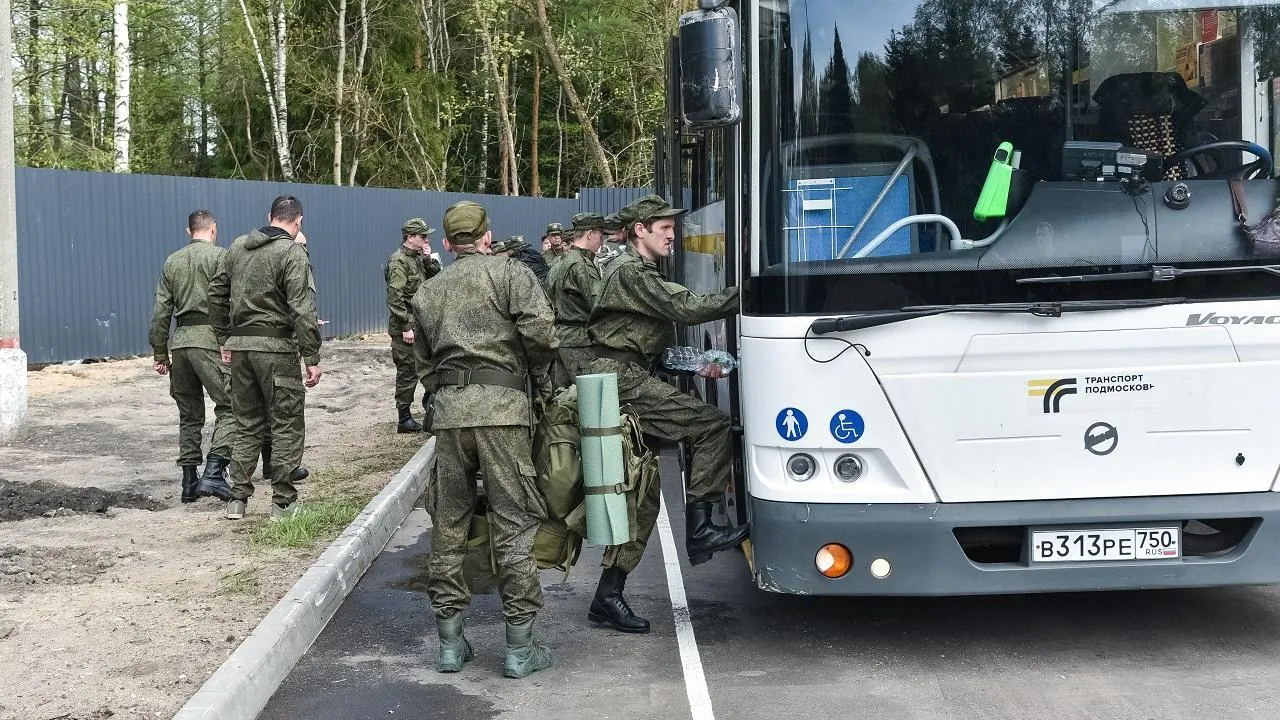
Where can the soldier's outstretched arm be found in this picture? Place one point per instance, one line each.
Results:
(161, 316)
(220, 301)
(302, 305)
(534, 319)
(645, 291)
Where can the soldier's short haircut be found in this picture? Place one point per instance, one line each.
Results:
(286, 208)
(200, 220)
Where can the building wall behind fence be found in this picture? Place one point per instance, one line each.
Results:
(91, 245)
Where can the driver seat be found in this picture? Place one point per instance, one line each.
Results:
(1151, 111)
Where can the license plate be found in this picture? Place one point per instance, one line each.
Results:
(1161, 543)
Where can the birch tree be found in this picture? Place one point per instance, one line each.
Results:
(339, 92)
(273, 82)
(123, 73)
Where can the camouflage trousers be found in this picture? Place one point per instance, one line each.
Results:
(268, 398)
(193, 372)
(502, 456)
(667, 413)
(407, 367)
(570, 362)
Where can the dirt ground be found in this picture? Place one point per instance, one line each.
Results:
(117, 601)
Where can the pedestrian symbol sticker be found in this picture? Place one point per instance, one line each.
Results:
(791, 424)
(847, 426)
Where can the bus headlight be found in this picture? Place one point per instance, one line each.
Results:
(801, 467)
(849, 468)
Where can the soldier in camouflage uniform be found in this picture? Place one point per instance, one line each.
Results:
(409, 267)
(551, 238)
(573, 285)
(192, 359)
(632, 322)
(488, 331)
(263, 310)
(615, 238)
(516, 247)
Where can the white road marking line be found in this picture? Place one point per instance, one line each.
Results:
(695, 682)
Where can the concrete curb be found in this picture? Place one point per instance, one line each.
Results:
(240, 689)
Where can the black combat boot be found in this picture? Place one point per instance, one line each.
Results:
(610, 607)
(190, 479)
(298, 475)
(407, 423)
(702, 539)
(214, 481)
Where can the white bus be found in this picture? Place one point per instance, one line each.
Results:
(1001, 331)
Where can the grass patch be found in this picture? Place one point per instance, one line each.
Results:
(239, 582)
(312, 522)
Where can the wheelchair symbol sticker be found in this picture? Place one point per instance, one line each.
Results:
(847, 426)
(791, 424)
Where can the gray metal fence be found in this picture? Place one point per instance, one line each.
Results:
(90, 247)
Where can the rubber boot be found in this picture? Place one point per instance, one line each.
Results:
(190, 479)
(610, 607)
(214, 481)
(702, 539)
(407, 423)
(525, 655)
(454, 648)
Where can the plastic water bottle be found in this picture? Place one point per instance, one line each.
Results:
(687, 359)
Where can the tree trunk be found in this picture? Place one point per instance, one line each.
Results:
(535, 185)
(202, 82)
(278, 131)
(484, 140)
(123, 67)
(339, 88)
(356, 142)
(281, 54)
(560, 140)
(508, 181)
(588, 128)
(35, 145)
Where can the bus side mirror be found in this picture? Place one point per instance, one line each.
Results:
(710, 66)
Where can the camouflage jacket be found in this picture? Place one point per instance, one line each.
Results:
(484, 312)
(573, 286)
(405, 272)
(636, 308)
(183, 291)
(263, 285)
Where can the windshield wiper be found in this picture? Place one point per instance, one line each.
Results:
(1157, 273)
(825, 326)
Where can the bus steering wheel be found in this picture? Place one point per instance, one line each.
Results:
(1261, 167)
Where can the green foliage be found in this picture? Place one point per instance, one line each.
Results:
(311, 523)
(418, 106)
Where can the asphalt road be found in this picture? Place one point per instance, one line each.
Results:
(1132, 655)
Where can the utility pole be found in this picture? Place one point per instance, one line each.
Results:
(13, 362)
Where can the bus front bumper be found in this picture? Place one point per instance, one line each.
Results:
(984, 548)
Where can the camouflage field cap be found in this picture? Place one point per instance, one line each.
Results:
(511, 244)
(652, 207)
(627, 216)
(588, 221)
(612, 223)
(553, 228)
(465, 222)
(416, 226)
(566, 236)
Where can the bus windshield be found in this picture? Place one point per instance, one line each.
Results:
(936, 151)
